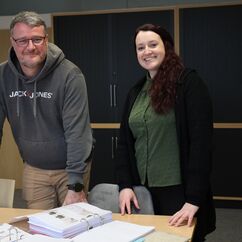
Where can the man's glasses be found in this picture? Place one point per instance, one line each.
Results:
(38, 40)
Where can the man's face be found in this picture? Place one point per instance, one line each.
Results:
(30, 45)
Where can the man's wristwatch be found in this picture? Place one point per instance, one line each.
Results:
(77, 187)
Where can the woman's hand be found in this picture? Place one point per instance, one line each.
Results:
(126, 196)
(184, 216)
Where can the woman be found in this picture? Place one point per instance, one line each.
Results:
(166, 136)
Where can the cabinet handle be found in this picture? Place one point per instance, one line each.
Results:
(114, 95)
(112, 147)
(116, 142)
(111, 95)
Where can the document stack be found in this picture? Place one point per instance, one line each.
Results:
(69, 221)
(10, 233)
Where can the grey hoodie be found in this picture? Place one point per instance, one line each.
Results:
(48, 113)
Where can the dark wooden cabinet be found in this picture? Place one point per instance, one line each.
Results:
(211, 42)
(102, 46)
(103, 158)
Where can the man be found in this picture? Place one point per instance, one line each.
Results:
(44, 97)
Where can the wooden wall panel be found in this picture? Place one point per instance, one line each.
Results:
(5, 44)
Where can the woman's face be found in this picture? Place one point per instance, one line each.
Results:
(150, 51)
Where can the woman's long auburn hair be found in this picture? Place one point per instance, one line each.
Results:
(163, 88)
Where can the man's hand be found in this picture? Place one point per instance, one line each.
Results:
(74, 197)
(126, 196)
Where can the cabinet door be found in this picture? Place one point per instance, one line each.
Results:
(211, 41)
(127, 69)
(103, 160)
(86, 40)
(227, 166)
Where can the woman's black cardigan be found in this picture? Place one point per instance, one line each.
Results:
(194, 124)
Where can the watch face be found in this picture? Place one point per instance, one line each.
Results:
(77, 187)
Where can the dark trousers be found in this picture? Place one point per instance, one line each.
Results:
(169, 200)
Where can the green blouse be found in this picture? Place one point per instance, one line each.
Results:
(156, 147)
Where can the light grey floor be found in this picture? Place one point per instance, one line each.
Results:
(229, 226)
(229, 222)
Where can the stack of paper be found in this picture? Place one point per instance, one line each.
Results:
(68, 221)
(43, 238)
(10, 233)
(116, 231)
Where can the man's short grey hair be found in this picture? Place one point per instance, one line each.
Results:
(31, 19)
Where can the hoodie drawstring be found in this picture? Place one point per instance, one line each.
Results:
(34, 108)
(18, 112)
